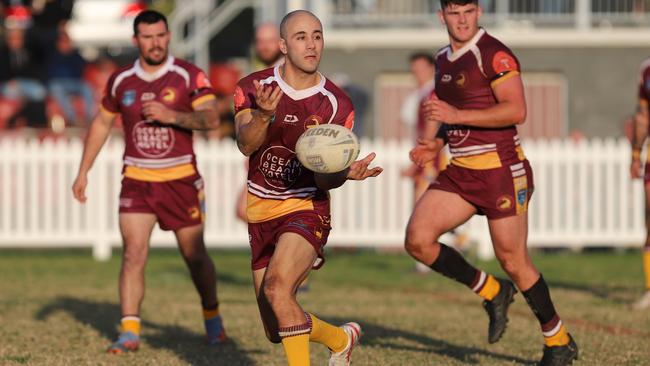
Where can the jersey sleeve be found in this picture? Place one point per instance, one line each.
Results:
(345, 113)
(501, 64)
(442, 132)
(109, 101)
(244, 97)
(200, 88)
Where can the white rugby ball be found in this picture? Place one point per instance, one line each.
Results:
(327, 148)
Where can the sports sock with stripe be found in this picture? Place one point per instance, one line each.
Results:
(451, 264)
(538, 298)
(295, 340)
(130, 323)
(331, 336)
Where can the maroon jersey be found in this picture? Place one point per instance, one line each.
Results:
(465, 79)
(277, 183)
(154, 151)
(644, 84)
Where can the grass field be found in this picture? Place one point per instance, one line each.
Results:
(60, 308)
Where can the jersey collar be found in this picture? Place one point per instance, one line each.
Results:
(298, 94)
(453, 56)
(149, 77)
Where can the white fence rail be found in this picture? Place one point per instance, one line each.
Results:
(583, 197)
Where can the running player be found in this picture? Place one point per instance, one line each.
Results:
(640, 133)
(288, 206)
(481, 101)
(161, 99)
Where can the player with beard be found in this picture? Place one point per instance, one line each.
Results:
(267, 45)
(288, 206)
(161, 100)
(481, 100)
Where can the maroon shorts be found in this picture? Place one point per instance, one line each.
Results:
(177, 204)
(263, 236)
(646, 174)
(496, 193)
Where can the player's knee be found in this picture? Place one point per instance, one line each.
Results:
(417, 243)
(511, 263)
(134, 257)
(195, 259)
(275, 290)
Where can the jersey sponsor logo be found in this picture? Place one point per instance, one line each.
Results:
(151, 140)
(126, 202)
(290, 119)
(446, 78)
(280, 167)
(202, 81)
(503, 62)
(461, 79)
(128, 97)
(313, 121)
(521, 190)
(239, 99)
(457, 136)
(147, 96)
(168, 95)
(504, 203)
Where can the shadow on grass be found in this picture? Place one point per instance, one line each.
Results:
(384, 337)
(187, 345)
(617, 294)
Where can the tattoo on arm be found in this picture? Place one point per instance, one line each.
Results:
(197, 120)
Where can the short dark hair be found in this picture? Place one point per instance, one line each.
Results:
(148, 17)
(446, 3)
(285, 20)
(421, 55)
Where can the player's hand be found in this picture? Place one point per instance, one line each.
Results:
(156, 111)
(267, 98)
(635, 169)
(439, 111)
(424, 152)
(359, 169)
(79, 188)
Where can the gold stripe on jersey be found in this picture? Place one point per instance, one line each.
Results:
(505, 77)
(104, 110)
(488, 160)
(264, 209)
(202, 99)
(520, 153)
(159, 175)
(242, 111)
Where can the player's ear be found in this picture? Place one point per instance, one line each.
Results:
(134, 40)
(441, 16)
(283, 46)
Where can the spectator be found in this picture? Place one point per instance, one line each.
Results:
(20, 77)
(64, 74)
(267, 46)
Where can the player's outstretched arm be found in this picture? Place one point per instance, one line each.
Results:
(639, 135)
(251, 124)
(99, 130)
(510, 109)
(204, 117)
(356, 171)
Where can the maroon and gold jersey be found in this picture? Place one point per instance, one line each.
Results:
(277, 183)
(465, 80)
(644, 84)
(156, 152)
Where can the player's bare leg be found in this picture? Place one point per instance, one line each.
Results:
(436, 213)
(291, 262)
(644, 301)
(136, 230)
(204, 277)
(266, 312)
(509, 237)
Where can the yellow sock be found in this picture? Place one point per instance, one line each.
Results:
(490, 289)
(131, 324)
(560, 338)
(297, 349)
(327, 334)
(646, 268)
(210, 314)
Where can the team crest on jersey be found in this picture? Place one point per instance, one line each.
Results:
(239, 99)
(446, 78)
(313, 121)
(503, 62)
(168, 95)
(280, 167)
(153, 140)
(128, 98)
(461, 79)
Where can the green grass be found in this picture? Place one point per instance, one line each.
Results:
(60, 308)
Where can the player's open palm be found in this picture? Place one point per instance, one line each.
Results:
(424, 152)
(359, 169)
(79, 188)
(267, 98)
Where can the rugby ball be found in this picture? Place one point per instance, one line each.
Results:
(327, 148)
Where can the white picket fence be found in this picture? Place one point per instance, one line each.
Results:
(583, 197)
